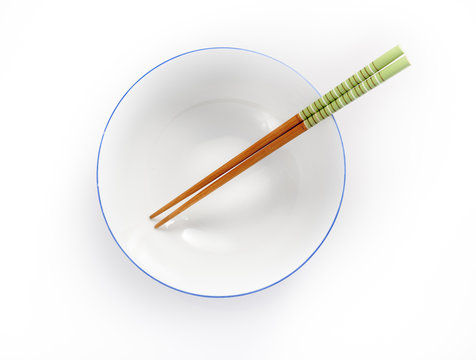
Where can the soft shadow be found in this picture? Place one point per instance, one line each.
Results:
(126, 283)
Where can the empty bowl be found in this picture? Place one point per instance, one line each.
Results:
(182, 120)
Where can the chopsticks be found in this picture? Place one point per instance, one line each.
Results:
(355, 86)
(320, 103)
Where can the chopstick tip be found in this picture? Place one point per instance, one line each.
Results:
(153, 215)
(160, 223)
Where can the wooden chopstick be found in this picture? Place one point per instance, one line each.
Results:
(329, 97)
(253, 159)
(280, 130)
(316, 116)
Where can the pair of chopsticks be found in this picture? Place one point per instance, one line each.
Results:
(369, 77)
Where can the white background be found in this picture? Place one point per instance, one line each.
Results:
(395, 279)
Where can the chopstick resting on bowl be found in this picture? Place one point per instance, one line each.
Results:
(320, 103)
(355, 86)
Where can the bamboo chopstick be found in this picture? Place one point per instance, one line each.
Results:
(319, 104)
(351, 82)
(365, 86)
(253, 159)
(373, 81)
(283, 128)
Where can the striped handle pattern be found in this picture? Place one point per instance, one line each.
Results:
(357, 91)
(347, 85)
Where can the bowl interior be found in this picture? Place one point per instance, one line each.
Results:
(179, 123)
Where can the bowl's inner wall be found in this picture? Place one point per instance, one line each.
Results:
(182, 121)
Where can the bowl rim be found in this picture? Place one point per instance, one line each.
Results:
(99, 154)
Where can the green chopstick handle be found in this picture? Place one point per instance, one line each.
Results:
(358, 91)
(351, 82)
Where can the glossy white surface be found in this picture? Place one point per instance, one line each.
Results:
(183, 120)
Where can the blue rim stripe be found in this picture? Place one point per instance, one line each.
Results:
(99, 154)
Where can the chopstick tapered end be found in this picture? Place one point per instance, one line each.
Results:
(160, 223)
(158, 212)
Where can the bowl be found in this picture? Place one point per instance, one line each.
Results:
(179, 122)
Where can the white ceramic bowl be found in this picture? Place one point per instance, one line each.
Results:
(179, 122)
